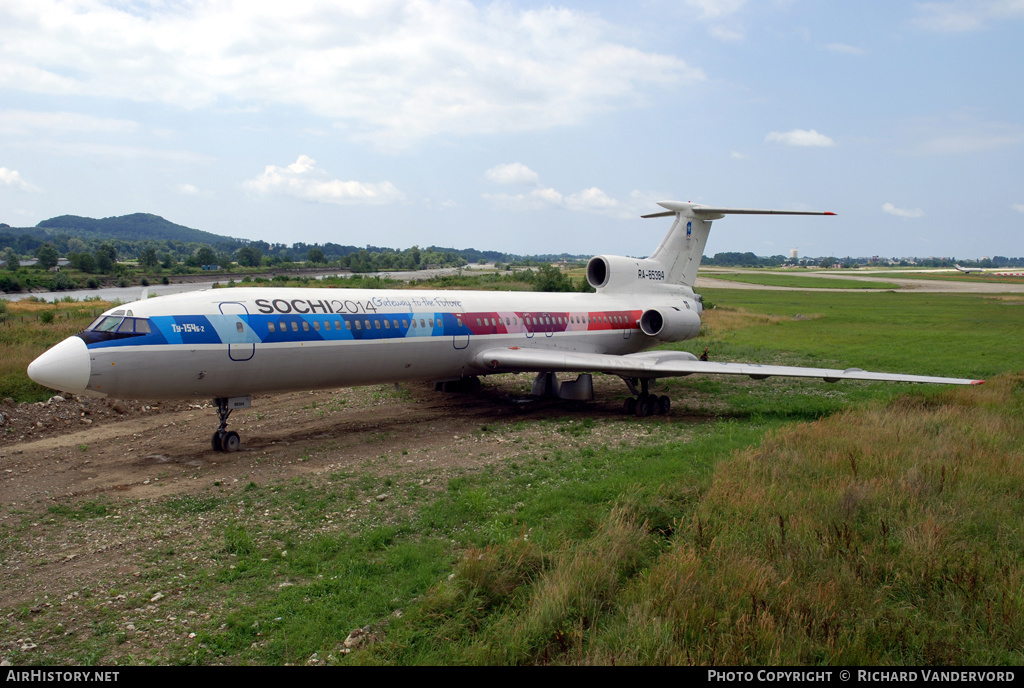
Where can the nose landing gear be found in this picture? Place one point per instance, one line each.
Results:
(224, 440)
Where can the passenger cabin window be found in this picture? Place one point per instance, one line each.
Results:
(387, 325)
(238, 326)
(405, 323)
(316, 325)
(295, 326)
(270, 327)
(305, 326)
(358, 326)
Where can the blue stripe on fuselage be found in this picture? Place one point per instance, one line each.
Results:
(223, 329)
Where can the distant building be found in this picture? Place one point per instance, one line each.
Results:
(794, 254)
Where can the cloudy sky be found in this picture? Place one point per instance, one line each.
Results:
(523, 126)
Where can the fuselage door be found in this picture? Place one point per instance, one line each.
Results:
(460, 330)
(237, 333)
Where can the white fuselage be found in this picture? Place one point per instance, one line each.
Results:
(238, 342)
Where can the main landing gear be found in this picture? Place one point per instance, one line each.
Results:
(224, 440)
(645, 403)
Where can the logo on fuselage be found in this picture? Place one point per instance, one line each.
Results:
(689, 229)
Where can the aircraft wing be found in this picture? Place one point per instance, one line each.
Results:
(653, 364)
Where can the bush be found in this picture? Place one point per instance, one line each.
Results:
(92, 283)
(46, 317)
(61, 282)
(144, 282)
(9, 284)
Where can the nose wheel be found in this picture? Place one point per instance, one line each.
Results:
(225, 440)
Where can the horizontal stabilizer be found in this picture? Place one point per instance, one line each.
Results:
(708, 213)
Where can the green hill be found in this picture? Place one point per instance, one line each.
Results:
(135, 227)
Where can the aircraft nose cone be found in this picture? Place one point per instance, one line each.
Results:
(66, 366)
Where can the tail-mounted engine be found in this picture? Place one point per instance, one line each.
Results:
(670, 324)
(618, 273)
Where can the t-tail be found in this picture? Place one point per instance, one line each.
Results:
(675, 262)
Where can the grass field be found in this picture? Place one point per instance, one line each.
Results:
(28, 328)
(986, 278)
(798, 281)
(774, 522)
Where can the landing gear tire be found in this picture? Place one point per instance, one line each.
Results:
(216, 442)
(644, 403)
(231, 442)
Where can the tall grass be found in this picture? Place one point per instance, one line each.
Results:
(884, 535)
(24, 334)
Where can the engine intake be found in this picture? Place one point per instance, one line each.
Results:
(618, 273)
(670, 324)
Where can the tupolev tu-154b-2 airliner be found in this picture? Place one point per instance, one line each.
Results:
(228, 344)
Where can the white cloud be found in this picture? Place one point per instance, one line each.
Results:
(304, 180)
(117, 151)
(1019, 207)
(716, 11)
(727, 34)
(512, 173)
(27, 121)
(960, 133)
(965, 15)
(13, 178)
(736, 155)
(843, 48)
(799, 137)
(392, 71)
(537, 199)
(592, 200)
(187, 189)
(713, 9)
(902, 212)
(972, 142)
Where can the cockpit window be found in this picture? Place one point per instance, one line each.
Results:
(121, 325)
(108, 324)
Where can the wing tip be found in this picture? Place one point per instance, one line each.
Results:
(977, 382)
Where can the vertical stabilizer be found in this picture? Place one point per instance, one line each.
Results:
(683, 247)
